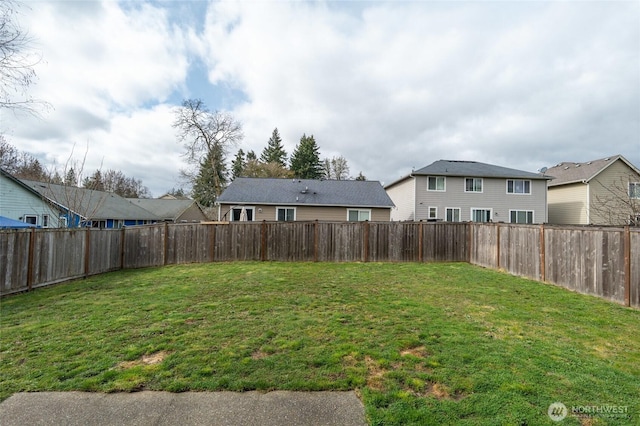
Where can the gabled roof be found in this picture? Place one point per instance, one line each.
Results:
(469, 169)
(310, 192)
(473, 169)
(569, 172)
(164, 208)
(89, 203)
(28, 188)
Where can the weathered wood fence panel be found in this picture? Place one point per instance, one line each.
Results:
(144, 246)
(14, 261)
(445, 242)
(587, 260)
(105, 251)
(519, 250)
(340, 242)
(58, 255)
(290, 241)
(392, 242)
(189, 243)
(484, 252)
(238, 241)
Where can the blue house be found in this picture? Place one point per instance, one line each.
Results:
(82, 207)
(22, 203)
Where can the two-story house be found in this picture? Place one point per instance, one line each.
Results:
(605, 191)
(459, 191)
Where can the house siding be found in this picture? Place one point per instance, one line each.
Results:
(614, 178)
(494, 196)
(16, 202)
(306, 213)
(192, 214)
(568, 204)
(403, 195)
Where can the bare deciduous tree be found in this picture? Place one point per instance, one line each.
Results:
(17, 62)
(206, 135)
(617, 203)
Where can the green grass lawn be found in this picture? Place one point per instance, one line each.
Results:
(421, 343)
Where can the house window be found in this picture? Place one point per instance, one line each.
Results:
(286, 214)
(481, 215)
(453, 214)
(45, 220)
(358, 215)
(433, 213)
(518, 186)
(520, 216)
(237, 214)
(634, 190)
(473, 185)
(435, 183)
(31, 219)
(99, 224)
(62, 221)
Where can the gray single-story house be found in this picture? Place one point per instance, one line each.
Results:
(272, 199)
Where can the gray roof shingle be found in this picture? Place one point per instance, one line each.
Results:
(306, 192)
(473, 169)
(163, 208)
(91, 204)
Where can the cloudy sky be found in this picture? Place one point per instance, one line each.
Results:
(390, 86)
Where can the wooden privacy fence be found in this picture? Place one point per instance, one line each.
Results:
(601, 261)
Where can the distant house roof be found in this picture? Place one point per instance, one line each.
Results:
(91, 204)
(570, 172)
(7, 223)
(470, 169)
(306, 192)
(164, 208)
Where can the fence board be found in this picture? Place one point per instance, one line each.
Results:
(340, 242)
(445, 242)
(483, 245)
(189, 243)
(104, 251)
(14, 261)
(58, 255)
(520, 250)
(634, 268)
(290, 241)
(144, 246)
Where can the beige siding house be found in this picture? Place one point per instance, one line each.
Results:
(458, 191)
(270, 199)
(599, 192)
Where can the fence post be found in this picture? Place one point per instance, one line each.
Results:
(30, 266)
(213, 242)
(366, 242)
(315, 240)
(469, 241)
(165, 243)
(122, 247)
(497, 246)
(263, 241)
(420, 242)
(87, 251)
(542, 255)
(627, 266)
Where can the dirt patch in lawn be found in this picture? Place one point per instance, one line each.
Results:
(151, 359)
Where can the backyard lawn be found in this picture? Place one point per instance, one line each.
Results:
(446, 343)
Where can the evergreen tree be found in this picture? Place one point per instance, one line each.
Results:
(70, 178)
(211, 179)
(94, 181)
(361, 177)
(274, 151)
(251, 156)
(305, 160)
(238, 165)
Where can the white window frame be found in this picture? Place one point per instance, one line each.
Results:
(635, 194)
(444, 183)
(474, 181)
(286, 208)
(435, 215)
(516, 211)
(490, 210)
(368, 211)
(513, 192)
(453, 210)
(63, 222)
(24, 219)
(252, 208)
(46, 221)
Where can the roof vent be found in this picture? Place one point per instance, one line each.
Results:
(566, 168)
(577, 165)
(589, 162)
(606, 159)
